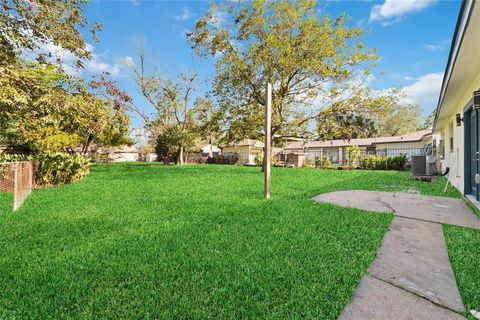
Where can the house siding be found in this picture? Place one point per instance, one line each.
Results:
(455, 159)
(246, 154)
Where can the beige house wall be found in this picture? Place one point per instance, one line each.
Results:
(454, 159)
(246, 154)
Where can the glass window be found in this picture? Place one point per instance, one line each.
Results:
(450, 132)
(332, 154)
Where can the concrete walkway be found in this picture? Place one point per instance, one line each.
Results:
(411, 278)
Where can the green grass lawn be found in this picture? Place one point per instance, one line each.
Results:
(464, 251)
(194, 242)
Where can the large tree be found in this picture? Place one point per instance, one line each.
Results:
(309, 60)
(369, 113)
(50, 111)
(40, 105)
(428, 121)
(341, 122)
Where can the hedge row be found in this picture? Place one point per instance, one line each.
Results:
(54, 169)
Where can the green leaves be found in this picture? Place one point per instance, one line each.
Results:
(26, 25)
(287, 44)
(50, 111)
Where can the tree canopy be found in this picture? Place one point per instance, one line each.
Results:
(40, 105)
(369, 114)
(50, 111)
(30, 24)
(308, 59)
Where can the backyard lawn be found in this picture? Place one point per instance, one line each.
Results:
(198, 242)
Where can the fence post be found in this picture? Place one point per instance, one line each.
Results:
(15, 187)
(30, 176)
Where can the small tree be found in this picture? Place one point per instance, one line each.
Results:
(354, 154)
(168, 141)
(174, 120)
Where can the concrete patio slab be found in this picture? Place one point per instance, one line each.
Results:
(375, 299)
(429, 208)
(436, 209)
(358, 199)
(413, 256)
(411, 278)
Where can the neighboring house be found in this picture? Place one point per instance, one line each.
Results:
(151, 157)
(244, 151)
(336, 150)
(147, 153)
(208, 150)
(124, 154)
(456, 124)
(200, 153)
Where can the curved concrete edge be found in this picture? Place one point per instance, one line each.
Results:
(355, 199)
(427, 208)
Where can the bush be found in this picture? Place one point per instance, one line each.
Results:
(379, 162)
(275, 162)
(61, 168)
(398, 162)
(322, 162)
(14, 157)
(258, 159)
(307, 163)
(53, 169)
(354, 154)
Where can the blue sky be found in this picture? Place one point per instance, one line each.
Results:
(412, 38)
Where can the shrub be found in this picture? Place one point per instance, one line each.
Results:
(14, 157)
(258, 159)
(61, 168)
(323, 161)
(354, 154)
(275, 162)
(398, 162)
(52, 169)
(308, 163)
(379, 162)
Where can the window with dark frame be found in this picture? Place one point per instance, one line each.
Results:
(441, 146)
(450, 131)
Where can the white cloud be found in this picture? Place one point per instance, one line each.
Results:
(128, 61)
(68, 60)
(392, 11)
(425, 90)
(436, 46)
(135, 2)
(185, 15)
(98, 66)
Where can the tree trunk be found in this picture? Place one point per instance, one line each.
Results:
(210, 153)
(87, 145)
(180, 160)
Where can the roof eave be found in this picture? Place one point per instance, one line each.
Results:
(460, 27)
